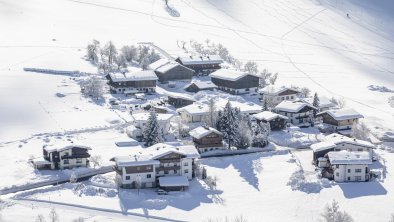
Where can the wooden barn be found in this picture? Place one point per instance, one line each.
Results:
(131, 83)
(171, 71)
(235, 82)
(201, 64)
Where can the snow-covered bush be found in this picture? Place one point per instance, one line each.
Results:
(53, 216)
(73, 177)
(332, 213)
(211, 182)
(251, 67)
(360, 131)
(96, 160)
(40, 218)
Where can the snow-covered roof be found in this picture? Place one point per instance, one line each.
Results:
(195, 109)
(342, 114)
(173, 181)
(179, 96)
(346, 157)
(162, 149)
(244, 107)
(196, 60)
(229, 74)
(324, 102)
(201, 84)
(41, 162)
(322, 146)
(164, 65)
(268, 116)
(134, 76)
(200, 132)
(64, 146)
(338, 139)
(292, 106)
(275, 90)
(137, 160)
(164, 117)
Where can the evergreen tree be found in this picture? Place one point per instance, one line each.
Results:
(229, 124)
(219, 122)
(260, 135)
(316, 103)
(152, 134)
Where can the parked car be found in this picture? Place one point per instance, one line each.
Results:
(161, 192)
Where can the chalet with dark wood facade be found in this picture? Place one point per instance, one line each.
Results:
(197, 86)
(207, 139)
(340, 120)
(168, 71)
(235, 82)
(66, 157)
(179, 100)
(276, 121)
(147, 169)
(299, 113)
(201, 64)
(131, 83)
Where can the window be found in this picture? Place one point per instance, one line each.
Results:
(148, 176)
(186, 164)
(348, 178)
(175, 171)
(358, 178)
(337, 174)
(79, 160)
(247, 89)
(292, 97)
(360, 149)
(186, 171)
(348, 170)
(287, 97)
(66, 162)
(165, 171)
(358, 171)
(127, 177)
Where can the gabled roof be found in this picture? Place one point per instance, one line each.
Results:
(324, 102)
(200, 132)
(195, 109)
(201, 84)
(323, 146)
(179, 96)
(150, 155)
(165, 65)
(268, 116)
(342, 114)
(338, 139)
(196, 60)
(349, 158)
(64, 146)
(274, 90)
(229, 74)
(292, 106)
(134, 76)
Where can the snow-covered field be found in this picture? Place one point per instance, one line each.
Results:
(310, 43)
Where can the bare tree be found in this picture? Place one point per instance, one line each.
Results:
(264, 77)
(251, 67)
(92, 51)
(181, 127)
(212, 114)
(79, 219)
(360, 131)
(93, 86)
(53, 216)
(40, 218)
(332, 213)
(110, 52)
(96, 160)
(273, 78)
(305, 92)
(130, 53)
(341, 103)
(120, 61)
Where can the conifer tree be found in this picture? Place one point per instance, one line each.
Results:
(316, 103)
(152, 130)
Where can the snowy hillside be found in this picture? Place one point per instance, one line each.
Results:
(311, 43)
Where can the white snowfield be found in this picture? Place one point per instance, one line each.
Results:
(309, 43)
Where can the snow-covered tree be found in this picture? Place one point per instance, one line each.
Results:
(73, 177)
(316, 103)
(273, 78)
(391, 218)
(229, 124)
(79, 219)
(341, 103)
(332, 213)
(251, 67)
(53, 216)
(40, 218)
(305, 92)
(265, 105)
(130, 53)
(143, 52)
(144, 64)
(181, 127)
(244, 134)
(152, 130)
(211, 119)
(96, 160)
(93, 86)
(360, 131)
(120, 61)
(109, 52)
(92, 51)
(260, 134)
